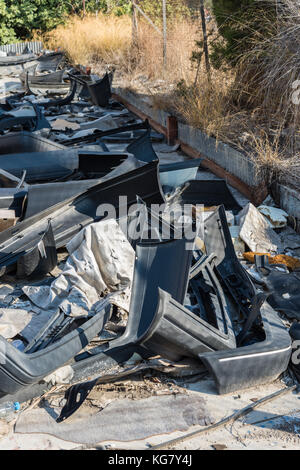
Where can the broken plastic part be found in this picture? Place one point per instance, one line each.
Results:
(62, 101)
(252, 365)
(100, 91)
(218, 241)
(177, 332)
(98, 134)
(21, 117)
(18, 143)
(142, 148)
(173, 175)
(283, 287)
(104, 166)
(210, 193)
(40, 260)
(70, 216)
(18, 369)
(52, 78)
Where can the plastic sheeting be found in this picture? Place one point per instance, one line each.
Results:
(256, 232)
(13, 321)
(122, 420)
(100, 262)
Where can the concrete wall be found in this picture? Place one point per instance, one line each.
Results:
(225, 156)
(234, 162)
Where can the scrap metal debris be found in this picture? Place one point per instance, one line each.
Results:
(103, 269)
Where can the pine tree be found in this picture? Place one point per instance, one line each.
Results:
(240, 22)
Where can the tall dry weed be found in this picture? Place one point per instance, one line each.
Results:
(249, 106)
(104, 38)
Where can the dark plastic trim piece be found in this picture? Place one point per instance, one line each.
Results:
(218, 241)
(176, 332)
(255, 364)
(18, 370)
(70, 216)
(40, 260)
(210, 193)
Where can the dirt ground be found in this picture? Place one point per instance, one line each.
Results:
(275, 425)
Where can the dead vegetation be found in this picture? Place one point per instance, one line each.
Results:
(252, 106)
(106, 38)
(273, 160)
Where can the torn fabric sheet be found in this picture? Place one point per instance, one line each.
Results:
(100, 262)
(13, 321)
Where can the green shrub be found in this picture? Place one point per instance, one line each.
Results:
(240, 23)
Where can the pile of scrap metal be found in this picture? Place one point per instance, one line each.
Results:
(190, 298)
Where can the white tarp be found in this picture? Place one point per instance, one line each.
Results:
(276, 217)
(100, 262)
(256, 232)
(13, 321)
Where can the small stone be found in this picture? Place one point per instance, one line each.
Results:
(219, 446)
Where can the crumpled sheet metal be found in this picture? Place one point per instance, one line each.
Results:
(256, 232)
(101, 261)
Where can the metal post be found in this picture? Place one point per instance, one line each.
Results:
(146, 17)
(165, 31)
(134, 25)
(205, 45)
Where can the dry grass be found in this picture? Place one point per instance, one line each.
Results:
(249, 107)
(268, 71)
(206, 105)
(106, 38)
(266, 77)
(273, 160)
(181, 42)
